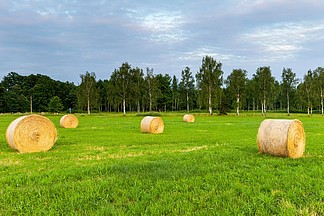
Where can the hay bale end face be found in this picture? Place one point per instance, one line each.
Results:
(69, 121)
(153, 125)
(32, 133)
(189, 118)
(280, 137)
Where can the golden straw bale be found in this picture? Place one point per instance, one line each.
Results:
(153, 125)
(281, 137)
(32, 133)
(69, 121)
(189, 118)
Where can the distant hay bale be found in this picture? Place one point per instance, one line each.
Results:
(32, 133)
(189, 118)
(280, 137)
(151, 124)
(69, 121)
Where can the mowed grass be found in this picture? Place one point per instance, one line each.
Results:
(106, 166)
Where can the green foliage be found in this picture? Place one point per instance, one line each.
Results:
(137, 90)
(319, 82)
(122, 81)
(164, 99)
(16, 92)
(106, 166)
(236, 84)
(209, 80)
(128, 89)
(187, 88)
(102, 86)
(55, 104)
(151, 89)
(175, 93)
(309, 90)
(88, 94)
(264, 82)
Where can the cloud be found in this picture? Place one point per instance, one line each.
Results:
(159, 26)
(284, 40)
(69, 37)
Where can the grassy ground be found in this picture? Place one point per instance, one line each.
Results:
(209, 167)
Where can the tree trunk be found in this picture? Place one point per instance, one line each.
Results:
(178, 102)
(257, 105)
(238, 105)
(322, 102)
(210, 102)
(288, 104)
(124, 106)
(264, 106)
(31, 104)
(138, 106)
(150, 102)
(187, 101)
(88, 104)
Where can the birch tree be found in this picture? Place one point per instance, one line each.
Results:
(319, 82)
(236, 83)
(175, 93)
(122, 83)
(264, 82)
(209, 79)
(88, 88)
(309, 89)
(151, 87)
(289, 82)
(137, 86)
(187, 84)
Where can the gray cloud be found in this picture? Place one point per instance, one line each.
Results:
(65, 38)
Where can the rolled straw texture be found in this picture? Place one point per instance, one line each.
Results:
(32, 133)
(69, 121)
(153, 125)
(189, 118)
(280, 137)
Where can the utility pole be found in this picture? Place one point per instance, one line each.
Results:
(31, 104)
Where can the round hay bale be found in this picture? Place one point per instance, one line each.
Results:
(280, 137)
(153, 125)
(69, 121)
(32, 133)
(189, 118)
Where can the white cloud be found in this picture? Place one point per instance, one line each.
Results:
(167, 35)
(215, 52)
(160, 26)
(284, 40)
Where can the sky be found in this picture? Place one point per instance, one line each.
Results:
(66, 38)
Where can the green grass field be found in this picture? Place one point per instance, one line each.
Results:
(106, 166)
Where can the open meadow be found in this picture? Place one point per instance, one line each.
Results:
(106, 166)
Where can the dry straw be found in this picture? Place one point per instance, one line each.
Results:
(151, 124)
(69, 121)
(280, 137)
(32, 133)
(189, 118)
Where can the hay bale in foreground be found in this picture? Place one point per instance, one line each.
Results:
(32, 133)
(69, 121)
(189, 118)
(280, 137)
(153, 125)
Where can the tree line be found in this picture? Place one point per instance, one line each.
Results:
(132, 89)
